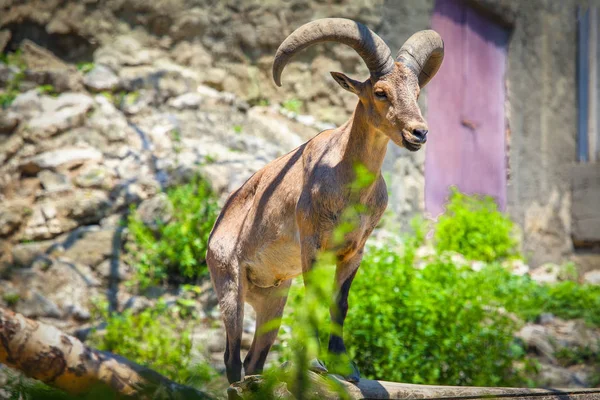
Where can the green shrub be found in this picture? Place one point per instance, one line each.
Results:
(177, 250)
(431, 326)
(85, 67)
(157, 338)
(473, 227)
(293, 105)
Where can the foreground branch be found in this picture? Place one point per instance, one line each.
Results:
(43, 352)
(321, 388)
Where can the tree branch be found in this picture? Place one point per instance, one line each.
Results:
(43, 352)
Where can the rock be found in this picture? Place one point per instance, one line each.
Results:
(35, 305)
(272, 127)
(9, 147)
(190, 24)
(54, 182)
(101, 78)
(186, 101)
(138, 102)
(592, 277)
(554, 334)
(547, 273)
(71, 156)
(44, 68)
(517, 267)
(192, 55)
(87, 206)
(125, 50)
(94, 176)
(44, 224)
(10, 219)
(77, 312)
(91, 245)
(9, 120)
(121, 270)
(536, 337)
(58, 118)
(27, 104)
(155, 211)
(109, 121)
(23, 254)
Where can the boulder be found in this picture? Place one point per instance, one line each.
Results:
(94, 176)
(9, 120)
(186, 101)
(33, 304)
(58, 118)
(10, 219)
(70, 157)
(27, 104)
(101, 78)
(91, 245)
(547, 273)
(109, 121)
(44, 68)
(592, 277)
(23, 254)
(53, 181)
(113, 270)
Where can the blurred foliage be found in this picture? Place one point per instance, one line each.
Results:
(293, 105)
(176, 250)
(12, 89)
(156, 337)
(473, 226)
(85, 67)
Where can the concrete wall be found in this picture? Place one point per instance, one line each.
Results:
(541, 116)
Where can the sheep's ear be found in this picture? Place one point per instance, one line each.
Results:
(347, 83)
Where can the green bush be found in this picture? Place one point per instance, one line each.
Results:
(156, 338)
(473, 227)
(177, 250)
(431, 326)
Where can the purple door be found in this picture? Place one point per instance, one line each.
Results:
(466, 146)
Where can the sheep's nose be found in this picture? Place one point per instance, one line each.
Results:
(420, 135)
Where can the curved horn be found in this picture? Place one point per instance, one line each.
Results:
(372, 49)
(423, 53)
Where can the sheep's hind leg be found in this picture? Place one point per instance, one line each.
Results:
(227, 283)
(268, 304)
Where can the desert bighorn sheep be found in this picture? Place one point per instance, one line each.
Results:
(272, 227)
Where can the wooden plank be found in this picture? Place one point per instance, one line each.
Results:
(585, 186)
(368, 389)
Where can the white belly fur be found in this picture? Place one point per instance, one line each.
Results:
(274, 264)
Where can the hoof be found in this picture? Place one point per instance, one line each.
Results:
(317, 366)
(354, 375)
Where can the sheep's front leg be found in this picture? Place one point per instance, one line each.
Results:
(340, 363)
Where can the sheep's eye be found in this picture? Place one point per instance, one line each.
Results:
(380, 94)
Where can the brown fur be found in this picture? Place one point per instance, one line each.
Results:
(271, 228)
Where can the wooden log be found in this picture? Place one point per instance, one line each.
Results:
(368, 389)
(45, 353)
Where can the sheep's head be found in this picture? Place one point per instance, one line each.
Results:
(389, 96)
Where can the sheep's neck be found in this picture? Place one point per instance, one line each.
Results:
(364, 144)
